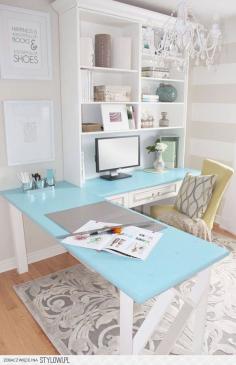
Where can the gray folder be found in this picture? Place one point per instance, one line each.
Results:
(74, 218)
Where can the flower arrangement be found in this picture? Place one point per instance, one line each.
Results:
(157, 147)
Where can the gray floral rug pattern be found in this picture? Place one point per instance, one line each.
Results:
(78, 310)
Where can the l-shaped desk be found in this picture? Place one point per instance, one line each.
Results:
(177, 257)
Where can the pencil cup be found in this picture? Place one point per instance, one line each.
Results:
(27, 186)
(40, 184)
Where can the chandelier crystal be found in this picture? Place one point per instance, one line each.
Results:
(184, 37)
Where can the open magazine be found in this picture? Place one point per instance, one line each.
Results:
(133, 241)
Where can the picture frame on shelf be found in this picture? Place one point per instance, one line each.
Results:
(29, 130)
(171, 154)
(114, 117)
(25, 40)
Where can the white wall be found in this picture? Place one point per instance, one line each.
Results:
(212, 116)
(29, 90)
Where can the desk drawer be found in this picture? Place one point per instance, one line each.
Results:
(150, 195)
(122, 200)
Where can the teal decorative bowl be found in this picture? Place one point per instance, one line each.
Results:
(167, 93)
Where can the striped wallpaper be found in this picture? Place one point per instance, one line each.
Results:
(212, 106)
(211, 129)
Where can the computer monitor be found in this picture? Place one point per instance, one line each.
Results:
(114, 153)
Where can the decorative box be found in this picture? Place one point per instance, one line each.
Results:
(112, 93)
(91, 127)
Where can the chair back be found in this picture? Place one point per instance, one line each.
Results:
(224, 173)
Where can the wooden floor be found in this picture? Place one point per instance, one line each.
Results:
(19, 333)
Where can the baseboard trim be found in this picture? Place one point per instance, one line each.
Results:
(7, 264)
(45, 253)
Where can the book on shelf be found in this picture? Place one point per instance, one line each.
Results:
(151, 98)
(133, 241)
(131, 116)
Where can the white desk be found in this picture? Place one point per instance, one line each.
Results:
(140, 189)
(176, 258)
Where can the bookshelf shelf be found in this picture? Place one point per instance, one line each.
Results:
(162, 80)
(106, 69)
(161, 103)
(109, 102)
(156, 57)
(131, 130)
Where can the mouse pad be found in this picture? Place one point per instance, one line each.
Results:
(74, 218)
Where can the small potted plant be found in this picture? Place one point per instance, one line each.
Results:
(158, 147)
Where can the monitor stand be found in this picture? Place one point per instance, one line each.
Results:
(114, 175)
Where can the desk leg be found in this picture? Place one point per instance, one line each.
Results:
(196, 301)
(200, 316)
(126, 324)
(18, 239)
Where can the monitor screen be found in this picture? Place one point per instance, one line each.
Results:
(117, 152)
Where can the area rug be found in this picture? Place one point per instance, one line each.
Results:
(78, 310)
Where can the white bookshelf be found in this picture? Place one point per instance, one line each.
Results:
(87, 18)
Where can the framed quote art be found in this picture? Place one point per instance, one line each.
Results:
(29, 130)
(25, 41)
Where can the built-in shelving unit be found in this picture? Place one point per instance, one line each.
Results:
(85, 19)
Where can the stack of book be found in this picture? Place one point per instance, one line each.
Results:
(156, 72)
(148, 98)
(110, 93)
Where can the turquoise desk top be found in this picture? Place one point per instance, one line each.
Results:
(177, 257)
(36, 203)
(139, 180)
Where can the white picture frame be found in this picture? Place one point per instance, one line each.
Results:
(29, 130)
(114, 117)
(25, 43)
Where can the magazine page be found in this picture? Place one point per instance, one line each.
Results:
(134, 241)
(95, 242)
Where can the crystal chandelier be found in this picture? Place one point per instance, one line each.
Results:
(184, 37)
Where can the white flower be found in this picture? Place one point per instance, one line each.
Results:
(160, 147)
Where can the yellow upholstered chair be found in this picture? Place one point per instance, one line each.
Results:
(209, 167)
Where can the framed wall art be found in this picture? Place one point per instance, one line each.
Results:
(25, 41)
(29, 130)
(114, 117)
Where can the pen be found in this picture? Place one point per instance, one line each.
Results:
(114, 229)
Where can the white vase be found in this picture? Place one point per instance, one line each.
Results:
(159, 164)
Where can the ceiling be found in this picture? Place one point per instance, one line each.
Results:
(204, 9)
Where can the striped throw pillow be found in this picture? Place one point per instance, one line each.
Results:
(195, 194)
